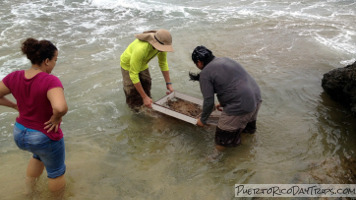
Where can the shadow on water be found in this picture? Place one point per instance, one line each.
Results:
(159, 157)
(337, 129)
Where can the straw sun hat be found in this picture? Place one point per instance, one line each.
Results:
(160, 39)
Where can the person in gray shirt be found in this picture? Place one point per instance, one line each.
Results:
(238, 94)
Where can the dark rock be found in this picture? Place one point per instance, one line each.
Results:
(340, 85)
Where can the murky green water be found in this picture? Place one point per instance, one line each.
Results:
(112, 153)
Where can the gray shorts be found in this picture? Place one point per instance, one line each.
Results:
(233, 123)
(229, 129)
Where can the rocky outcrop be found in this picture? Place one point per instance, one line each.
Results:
(340, 85)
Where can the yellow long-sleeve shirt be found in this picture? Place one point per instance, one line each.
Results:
(137, 56)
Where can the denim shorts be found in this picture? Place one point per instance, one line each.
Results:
(50, 152)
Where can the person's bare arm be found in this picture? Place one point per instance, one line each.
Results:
(3, 100)
(59, 106)
(168, 81)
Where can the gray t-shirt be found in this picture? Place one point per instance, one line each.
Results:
(237, 92)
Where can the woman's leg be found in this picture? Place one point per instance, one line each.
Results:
(34, 170)
(57, 184)
(55, 167)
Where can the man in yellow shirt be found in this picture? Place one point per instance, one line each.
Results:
(134, 66)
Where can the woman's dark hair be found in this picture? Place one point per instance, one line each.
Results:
(203, 54)
(38, 51)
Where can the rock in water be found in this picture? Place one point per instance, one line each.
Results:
(340, 85)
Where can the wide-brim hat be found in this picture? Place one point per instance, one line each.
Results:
(160, 39)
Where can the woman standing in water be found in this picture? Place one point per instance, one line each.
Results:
(41, 104)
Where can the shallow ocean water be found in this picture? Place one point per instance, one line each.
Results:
(113, 153)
